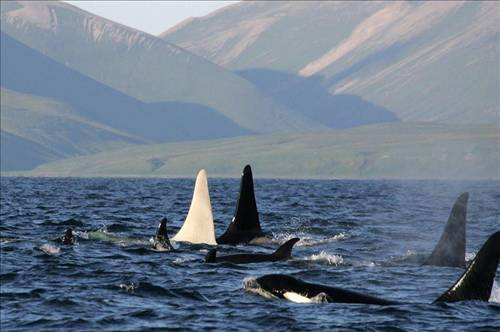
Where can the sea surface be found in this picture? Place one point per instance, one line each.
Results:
(369, 236)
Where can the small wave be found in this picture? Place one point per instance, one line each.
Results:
(495, 293)
(105, 236)
(182, 260)
(50, 249)
(326, 258)
(307, 240)
(6, 240)
(410, 256)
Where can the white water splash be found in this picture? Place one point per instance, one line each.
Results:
(128, 288)
(495, 293)
(82, 234)
(469, 256)
(251, 285)
(50, 249)
(324, 257)
(6, 240)
(307, 240)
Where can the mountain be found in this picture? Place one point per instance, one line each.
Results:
(422, 61)
(142, 66)
(396, 150)
(67, 113)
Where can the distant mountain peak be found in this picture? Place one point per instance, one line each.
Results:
(49, 16)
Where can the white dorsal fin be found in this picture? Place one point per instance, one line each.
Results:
(199, 224)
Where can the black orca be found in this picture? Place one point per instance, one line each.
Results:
(245, 225)
(450, 250)
(474, 284)
(68, 237)
(282, 253)
(161, 241)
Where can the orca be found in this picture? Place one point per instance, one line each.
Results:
(160, 240)
(68, 237)
(474, 284)
(245, 225)
(284, 252)
(477, 280)
(450, 250)
(199, 224)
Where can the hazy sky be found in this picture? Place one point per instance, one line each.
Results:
(150, 16)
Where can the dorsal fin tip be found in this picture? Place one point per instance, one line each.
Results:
(450, 250)
(285, 250)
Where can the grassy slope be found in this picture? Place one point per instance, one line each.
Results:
(37, 130)
(141, 65)
(403, 150)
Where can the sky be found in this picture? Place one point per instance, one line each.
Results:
(153, 17)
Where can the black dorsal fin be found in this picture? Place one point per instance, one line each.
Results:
(450, 250)
(476, 282)
(161, 237)
(162, 228)
(245, 224)
(285, 250)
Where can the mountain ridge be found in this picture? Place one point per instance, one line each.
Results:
(423, 61)
(141, 65)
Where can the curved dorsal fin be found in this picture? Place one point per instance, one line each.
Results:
(450, 250)
(199, 224)
(245, 224)
(476, 282)
(285, 250)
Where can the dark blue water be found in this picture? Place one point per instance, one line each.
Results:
(362, 235)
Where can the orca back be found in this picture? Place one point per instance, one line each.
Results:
(450, 250)
(245, 224)
(476, 282)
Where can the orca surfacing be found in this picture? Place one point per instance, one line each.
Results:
(450, 250)
(245, 225)
(474, 284)
(282, 253)
(160, 240)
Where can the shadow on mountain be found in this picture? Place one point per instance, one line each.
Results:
(20, 154)
(310, 97)
(28, 71)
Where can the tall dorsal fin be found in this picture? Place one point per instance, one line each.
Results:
(450, 250)
(285, 250)
(476, 282)
(245, 224)
(199, 224)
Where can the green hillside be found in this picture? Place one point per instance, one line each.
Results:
(401, 150)
(140, 65)
(423, 61)
(36, 130)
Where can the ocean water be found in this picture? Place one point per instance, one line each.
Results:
(367, 236)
